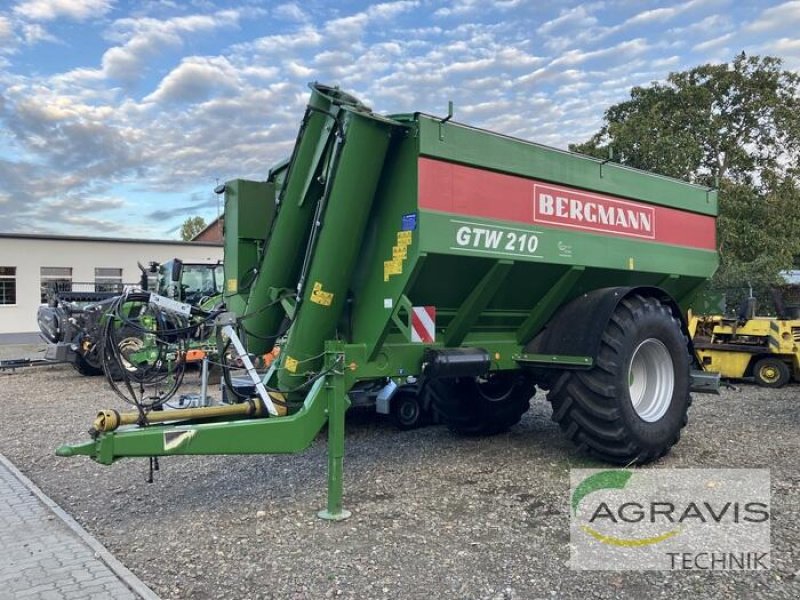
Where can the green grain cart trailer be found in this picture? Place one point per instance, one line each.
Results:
(411, 254)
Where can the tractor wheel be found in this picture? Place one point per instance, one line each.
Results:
(771, 373)
(481, 405)
(85, 367)
(631, 406)
(407, 410)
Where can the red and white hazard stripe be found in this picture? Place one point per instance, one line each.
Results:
(423, 324)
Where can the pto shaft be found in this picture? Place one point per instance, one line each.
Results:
(109, 420)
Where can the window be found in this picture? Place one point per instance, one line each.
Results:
(8, 285)
(107, 279)
(55, 279)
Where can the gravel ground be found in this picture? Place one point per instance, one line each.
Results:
(433, 515)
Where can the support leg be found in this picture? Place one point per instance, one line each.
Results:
(337, 406)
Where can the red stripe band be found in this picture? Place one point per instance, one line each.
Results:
(457, 189)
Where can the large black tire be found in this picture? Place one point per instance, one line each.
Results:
(771, 372)
(631, 406)
(481, 406)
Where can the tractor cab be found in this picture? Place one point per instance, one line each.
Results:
(189, 282)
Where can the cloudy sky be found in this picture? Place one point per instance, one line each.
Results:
(118, 117)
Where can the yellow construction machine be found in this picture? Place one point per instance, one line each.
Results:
(766, 348)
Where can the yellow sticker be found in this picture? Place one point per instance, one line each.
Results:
(319, 296)
(392, 267)
(232, 286)
(631, 264)
(291, 364)
(399, 255)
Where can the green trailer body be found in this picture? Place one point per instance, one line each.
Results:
(249, 211)
(405, 244)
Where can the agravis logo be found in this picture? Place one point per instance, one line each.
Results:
(670, 519)
(612, 480)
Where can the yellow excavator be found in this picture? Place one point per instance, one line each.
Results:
(766, 348)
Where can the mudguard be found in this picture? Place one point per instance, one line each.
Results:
(576, 328)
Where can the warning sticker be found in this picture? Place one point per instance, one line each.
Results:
(399, 255)
(319, 296)
(291, 364)
(232, 285)
(423, 324)
(392, 267)
(175, 439)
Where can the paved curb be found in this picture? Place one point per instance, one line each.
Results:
(125, 575)
(21, 338)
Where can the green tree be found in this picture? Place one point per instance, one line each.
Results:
(191, 227)
(735, 120)
(736, 126)
(757, 232)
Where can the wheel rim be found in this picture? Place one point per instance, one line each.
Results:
(651, 380)
(769, 373)
(127, 347)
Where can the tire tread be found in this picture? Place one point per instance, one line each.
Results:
(585, 403)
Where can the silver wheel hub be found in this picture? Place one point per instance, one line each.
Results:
(651, 380)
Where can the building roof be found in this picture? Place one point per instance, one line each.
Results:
(208, 231)
(86, 238)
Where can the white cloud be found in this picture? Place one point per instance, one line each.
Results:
(655, 15)
(33, 33)
(582, 25)
(94, 203)
(298, 70)
(145, 38)
(578, 17)
(786, 45)
(389, 10)
(660, 15)
(788, 49)
(459, 7)
(6, 30)
(196, 79)
(666, 62)
(290, 12)
(351, 26)
(624, 50)
(48, 10)
(777, 17)
(717, 23)
(712, 43)
(464, 7)
(270, 45)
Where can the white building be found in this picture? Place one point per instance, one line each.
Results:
(29, 261)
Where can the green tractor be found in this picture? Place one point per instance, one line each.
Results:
(72, 322)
